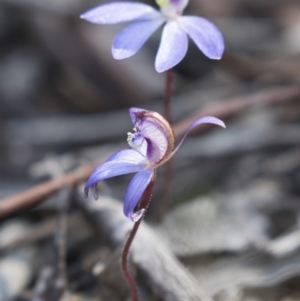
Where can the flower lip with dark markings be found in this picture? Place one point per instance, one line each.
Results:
(174, 41)
(150, 145)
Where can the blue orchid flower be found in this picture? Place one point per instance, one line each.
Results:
(174, 40)
(151, 145)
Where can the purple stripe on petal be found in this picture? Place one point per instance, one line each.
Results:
(157, 140)
(205, 34)
(133, 37)
(112, 169)
(173, 47)
(116, 12)
(207, 119)
(129, 155)
(134, 193)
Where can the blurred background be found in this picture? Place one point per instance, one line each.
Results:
(232, 228)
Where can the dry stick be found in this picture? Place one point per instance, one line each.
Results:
(54, 169)
(61, 236)
(36, 194)
(221, 109)
(143, 204)
(227, 108)
(40, 231)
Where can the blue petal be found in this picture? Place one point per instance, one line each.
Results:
(173, 47)
(207, 119)
(112, 13)
(133, 37)
(205, 34)
(123, 162)
(134, 193)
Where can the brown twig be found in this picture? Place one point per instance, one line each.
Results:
(36, 194)
(39, 232)
(61, 237)
(227, 108)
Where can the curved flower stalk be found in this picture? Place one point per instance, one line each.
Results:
(174, 41)
(151, 145)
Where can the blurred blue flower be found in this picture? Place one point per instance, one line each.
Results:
(174, 41)
(151, 145)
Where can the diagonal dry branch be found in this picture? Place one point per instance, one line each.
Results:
(227, 108)
(36, 194)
